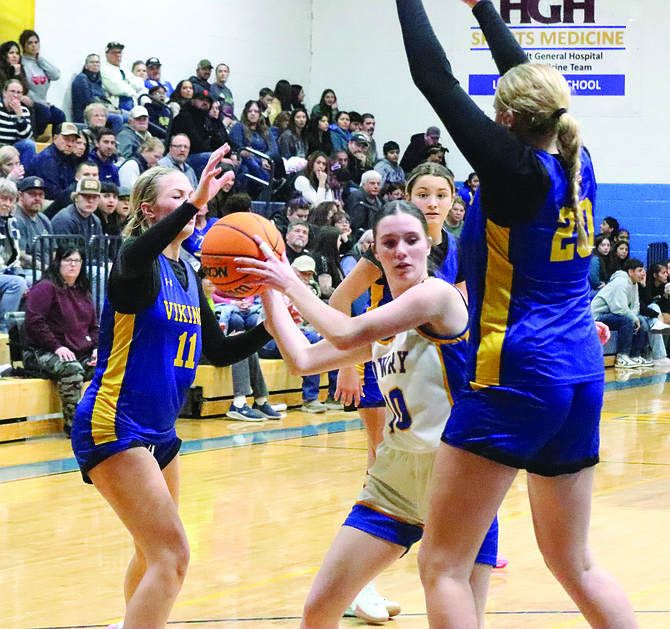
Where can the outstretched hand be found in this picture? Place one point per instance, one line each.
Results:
(209, 183)
(271, 272)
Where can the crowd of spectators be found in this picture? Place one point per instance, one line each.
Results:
(323, 163)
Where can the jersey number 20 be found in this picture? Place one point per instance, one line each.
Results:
(402, 420)
(565, 237)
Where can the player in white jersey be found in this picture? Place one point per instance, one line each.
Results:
(419, 368)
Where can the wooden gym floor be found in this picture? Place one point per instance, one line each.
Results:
(262, 502)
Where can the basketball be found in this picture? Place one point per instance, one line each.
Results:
(230, 238)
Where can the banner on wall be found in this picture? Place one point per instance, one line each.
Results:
(588, 48)
(17, 15)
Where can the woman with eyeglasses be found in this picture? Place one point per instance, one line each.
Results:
(62, 328)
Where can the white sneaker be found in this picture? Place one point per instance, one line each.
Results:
(313, 406)
(368, 605)
(659, 327)
(392, 607)
(623, 361)
(643, 362)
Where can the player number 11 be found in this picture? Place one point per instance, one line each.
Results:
(192, 342)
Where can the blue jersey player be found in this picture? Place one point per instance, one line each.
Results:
(155, 323)
(534, 364)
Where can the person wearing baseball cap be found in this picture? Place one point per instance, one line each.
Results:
(358, 149)
(30, 219)
(78, 218)
(200, 80)
(56, 164)
(154, 67)
(122, 86)
(134, 132)
(419, 147)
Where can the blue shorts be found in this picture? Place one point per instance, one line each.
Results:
(545, 430)
(164, 450)
(397, 532)
(373, 397)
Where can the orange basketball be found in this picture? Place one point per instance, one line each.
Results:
(230, 238)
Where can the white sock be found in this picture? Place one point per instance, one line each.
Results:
(261, 400)
(239, 401)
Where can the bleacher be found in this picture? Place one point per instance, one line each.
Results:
(30, 407)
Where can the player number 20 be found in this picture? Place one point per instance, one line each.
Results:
(402, 420)
(565, 238)
(189, 363)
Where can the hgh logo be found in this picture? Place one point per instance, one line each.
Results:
(559, 12)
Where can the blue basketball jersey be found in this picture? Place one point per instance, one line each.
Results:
(146, 364)
(530, 317)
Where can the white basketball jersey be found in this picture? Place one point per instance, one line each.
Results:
(418, 375)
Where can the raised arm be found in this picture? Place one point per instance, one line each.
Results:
(504, 164)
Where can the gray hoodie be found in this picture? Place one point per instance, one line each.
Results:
(620, 296)
(39, 74)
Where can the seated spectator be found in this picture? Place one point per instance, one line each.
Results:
(417, 151)
(84, 169)
(180, 147)
(297, 235)
(339, 132)
(87, 89)
(61, 328)
(106, 210)
(148, 155)
(619, 253)
(363, 205)
(467, 192)
(81, 148)
(193, 121)
(296, 211)
(221, 93)
(320, 215)
(39, 73)
(388, 166)
(56, 165)
(355, 122)
(317, 135)
(436, 155)
(313, 183)
(327, 107)
(292, 142)
(455, 218)
(252, 132)
(160, 115)
(609, 226)
(30, 219)
(134, 132)
(15, 126)
(357, 151)
(368, 125)
(297, 97)
(139, 69)
(217, 131)
(182, 93)
(392, 192)
(103, 155)
(340, 219)
(121, 86)
(79, 217)
(97, 117)
(599, 267)
(617, 305)
(154, 78)
(622, 235)
(200, 80)
(282, 92)
(217, 205)
(10, 253)
(326, 253)
(10, 164)
(271, 110)
(280, 124)
(123, 207)
(11, 68)
(653, 299)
